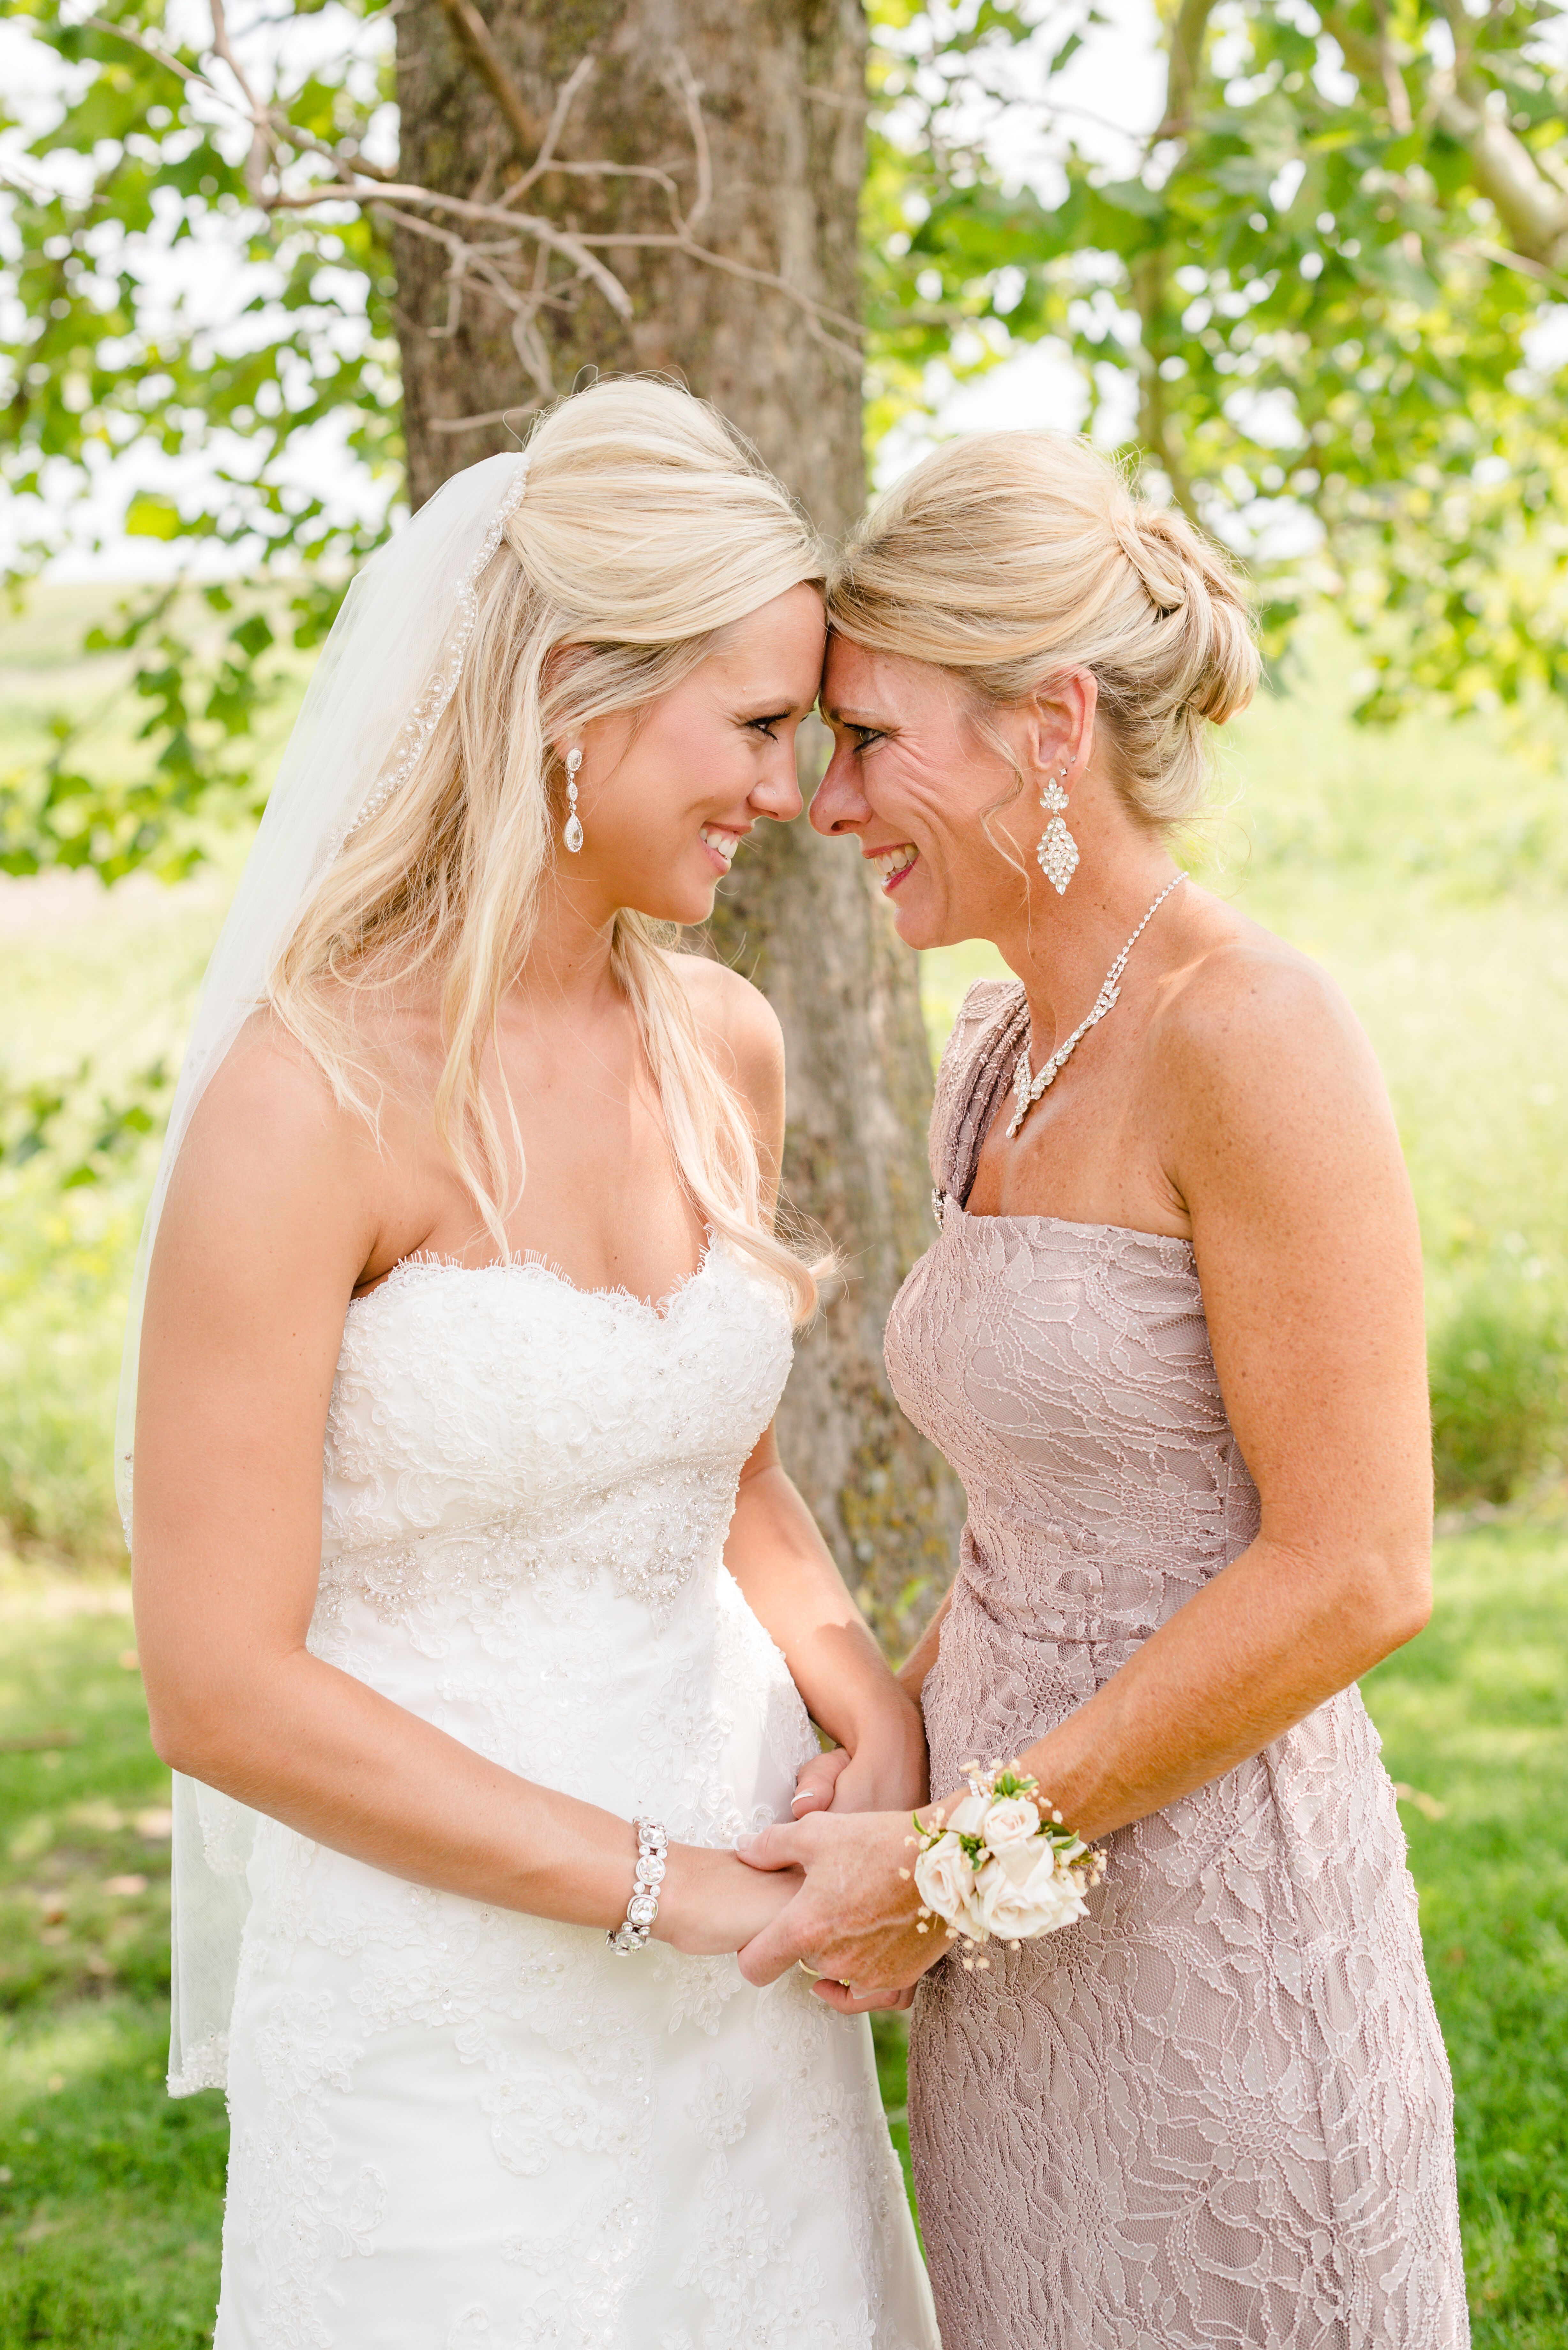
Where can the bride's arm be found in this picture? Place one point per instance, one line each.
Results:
(774, 1550)
(274, 1210)
(790, 1581)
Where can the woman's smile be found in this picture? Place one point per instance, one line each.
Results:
(893, 864)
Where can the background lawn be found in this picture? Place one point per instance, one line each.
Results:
(1426, 870)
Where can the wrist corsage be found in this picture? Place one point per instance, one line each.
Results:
(1002, 1863)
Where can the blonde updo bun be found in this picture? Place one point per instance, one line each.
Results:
(1012, 557)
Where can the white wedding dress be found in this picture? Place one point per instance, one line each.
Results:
(457, 2127)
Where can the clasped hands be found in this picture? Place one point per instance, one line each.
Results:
(854, 1922)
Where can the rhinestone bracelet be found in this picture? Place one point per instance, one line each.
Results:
(652, 1843)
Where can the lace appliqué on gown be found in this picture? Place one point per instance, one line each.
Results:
(1215, 2114)
(460, 2126)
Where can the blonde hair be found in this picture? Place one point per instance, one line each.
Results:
(1012, 557)
(646, 526)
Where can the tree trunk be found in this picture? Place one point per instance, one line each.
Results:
(781, 96)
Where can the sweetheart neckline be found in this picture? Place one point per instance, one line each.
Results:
(535, 1261)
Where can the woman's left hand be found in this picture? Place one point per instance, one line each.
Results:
(856, 1922)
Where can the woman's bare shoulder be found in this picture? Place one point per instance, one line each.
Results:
(1254, 1040)
(1243, 990)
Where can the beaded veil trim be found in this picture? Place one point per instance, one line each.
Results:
(429, 708)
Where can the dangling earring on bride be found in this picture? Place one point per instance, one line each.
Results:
(572, 833)
(1057, 848)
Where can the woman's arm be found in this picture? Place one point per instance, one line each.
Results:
(774, 1550)
(1282, 1146)
(274, 1210)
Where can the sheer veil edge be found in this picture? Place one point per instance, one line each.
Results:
(386, 675)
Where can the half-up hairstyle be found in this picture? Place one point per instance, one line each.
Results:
(647, 525)
(1011, 558)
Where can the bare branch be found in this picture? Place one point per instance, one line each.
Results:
(491, 416)
(689, 90)
(856, 104)
(542, 161)
(160, 55)
(261, 152)
(1478, 249)
(689, 245)
(485, 262)
(477, 37)
(1400, 119)
(1187, 38)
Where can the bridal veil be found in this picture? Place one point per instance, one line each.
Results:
(385, 677)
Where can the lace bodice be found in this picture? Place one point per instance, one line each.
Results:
(587, 1431)
(1216, 2112)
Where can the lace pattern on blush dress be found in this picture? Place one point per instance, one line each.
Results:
(457, 2127)
(1216, 2114)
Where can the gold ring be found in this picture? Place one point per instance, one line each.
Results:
(809, 1970)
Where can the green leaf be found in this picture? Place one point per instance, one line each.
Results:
(150, 518)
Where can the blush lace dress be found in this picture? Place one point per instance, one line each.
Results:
(455, 2128)
(1217, 2112)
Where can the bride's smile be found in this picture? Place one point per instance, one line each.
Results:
(667, 795)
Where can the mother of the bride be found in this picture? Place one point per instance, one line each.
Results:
(1170, 1338)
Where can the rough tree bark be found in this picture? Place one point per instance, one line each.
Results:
(782, 85)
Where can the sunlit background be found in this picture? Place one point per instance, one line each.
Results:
(1424, 861)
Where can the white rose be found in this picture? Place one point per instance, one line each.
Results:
(967, 1817)
(1012, 1819)
(944, 1879)
(1022, 1896)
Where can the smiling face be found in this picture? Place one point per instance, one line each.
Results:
(667, 795)
(913, 775)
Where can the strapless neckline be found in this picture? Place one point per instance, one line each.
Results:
(1067, 1224)
(534, 1261)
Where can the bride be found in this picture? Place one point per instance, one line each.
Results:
(477, 1615)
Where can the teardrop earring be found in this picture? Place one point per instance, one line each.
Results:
(572, 832)
(1057, 848)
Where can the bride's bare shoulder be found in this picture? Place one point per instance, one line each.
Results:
(270, 1094)
(740, 1029)
(729, 1009)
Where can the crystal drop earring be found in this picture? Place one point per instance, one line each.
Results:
(573, 833)
(1057, 848)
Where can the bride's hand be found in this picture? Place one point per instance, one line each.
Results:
(887, 1772)
(815, 1782)
(710, 1902)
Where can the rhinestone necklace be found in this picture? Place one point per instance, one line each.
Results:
(1027, 1091)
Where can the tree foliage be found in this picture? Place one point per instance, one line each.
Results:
(1308, 296)
(1323, 284)
(155, 309)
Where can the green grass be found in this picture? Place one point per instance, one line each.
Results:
(110, 2193)
(1474, 1717)
(109, 2206)
(1426, 869)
